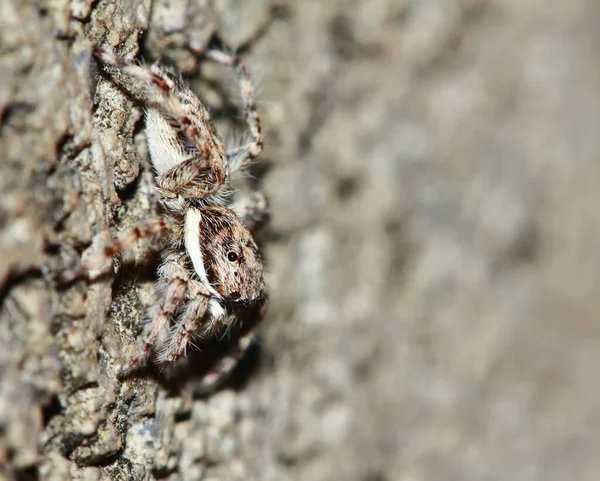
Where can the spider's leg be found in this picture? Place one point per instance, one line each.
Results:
(113, 247)
(125, 239)
(241, 156)
(223, 368)
(252, 210)
(187, 324)
(174, 279)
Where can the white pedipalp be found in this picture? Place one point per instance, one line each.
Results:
(216, 310)
(192, 244)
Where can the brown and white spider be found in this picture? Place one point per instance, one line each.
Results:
(212, 267)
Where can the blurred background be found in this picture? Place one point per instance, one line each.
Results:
(432, 255)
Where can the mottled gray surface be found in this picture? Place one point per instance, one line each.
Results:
(432, 254)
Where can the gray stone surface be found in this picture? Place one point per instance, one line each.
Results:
(432, 255)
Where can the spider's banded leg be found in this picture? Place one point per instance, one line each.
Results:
(187, 324)
(223, 368)
(177, 103)
(252, 210)
(184, 330)
(115, 246)
(125, 239)
(241, 156)
(173, 298)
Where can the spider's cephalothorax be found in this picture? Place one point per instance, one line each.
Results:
(224, 254)
(212, 265)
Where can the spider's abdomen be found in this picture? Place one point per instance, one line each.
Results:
(178, 126)
(166, 151)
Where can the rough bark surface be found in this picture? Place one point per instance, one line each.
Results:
(432, 255)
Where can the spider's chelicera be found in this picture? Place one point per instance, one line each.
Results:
(212, 265)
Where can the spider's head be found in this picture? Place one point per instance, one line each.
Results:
(224, 254)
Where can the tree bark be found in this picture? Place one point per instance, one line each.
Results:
(432, 251)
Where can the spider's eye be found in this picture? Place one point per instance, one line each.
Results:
(232, 256)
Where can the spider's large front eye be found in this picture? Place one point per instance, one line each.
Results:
(232, 256)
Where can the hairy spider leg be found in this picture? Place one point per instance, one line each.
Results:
(224, 367)
(170, 304)
(113, 247)
(241, 156)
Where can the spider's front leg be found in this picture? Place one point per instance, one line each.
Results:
(197, 309)
(173, 281)
(224, 366)
(201, 309)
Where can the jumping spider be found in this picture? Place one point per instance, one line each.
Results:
(212, 266)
